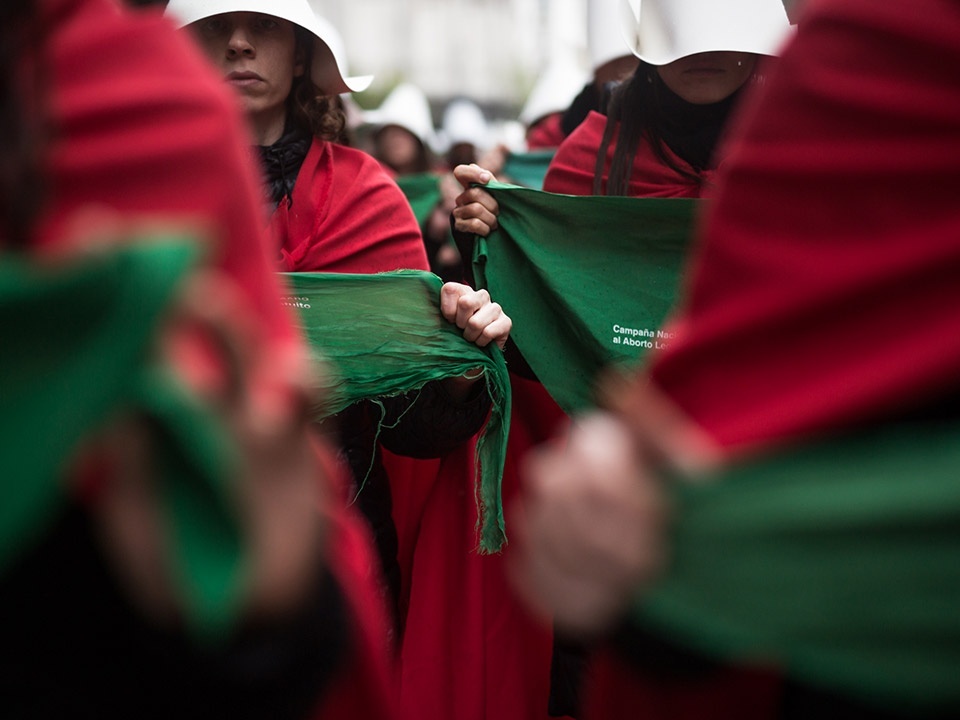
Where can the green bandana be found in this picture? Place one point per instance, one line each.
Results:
(382, 335)
(839, 560)
(78, 338)
(422, 192)
(528, 169)
(586, 280)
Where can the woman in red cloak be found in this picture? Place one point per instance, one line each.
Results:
(834, 221)
(333, 208)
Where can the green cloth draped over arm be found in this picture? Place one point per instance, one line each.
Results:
(587, 281)
(382, 335)
(839, 559)
(77, 338)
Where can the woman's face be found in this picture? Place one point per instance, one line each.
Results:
(257, 54)
(707, 77)
(397, 147)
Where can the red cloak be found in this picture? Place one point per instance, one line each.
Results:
(146, 132)
(825, 286)
(546, 133)
(346, 215)
(571, 171)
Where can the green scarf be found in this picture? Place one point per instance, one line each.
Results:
(586, 280)
(528, 169)
(78, 337)
(382, 335)
(422, 192)
(838, 560)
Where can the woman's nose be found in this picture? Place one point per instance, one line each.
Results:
(240, 42)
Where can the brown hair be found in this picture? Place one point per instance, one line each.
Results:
(22, 130)
(312, 110)
(635, 107)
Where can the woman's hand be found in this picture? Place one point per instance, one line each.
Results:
(476, 210)
(261, 393)
(591, 533)
(482, 320)
(592, 528)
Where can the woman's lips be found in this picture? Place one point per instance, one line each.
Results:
(243, 78)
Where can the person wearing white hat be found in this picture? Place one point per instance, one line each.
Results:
(334, 209)
(464, 133)
(403, 130)
(663, 124)
(549, 99)
(610, 62)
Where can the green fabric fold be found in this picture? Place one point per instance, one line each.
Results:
(587, 281)
(838, 559)
(78, 337)
(527, 169)
(422, 192)
(382, 335)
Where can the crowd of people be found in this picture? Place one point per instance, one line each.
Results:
(183, 537)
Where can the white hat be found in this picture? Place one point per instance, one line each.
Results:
(555, 89)
(325, 71)
(463, 122)
(661, 31)
(604, 36)
(407, 107)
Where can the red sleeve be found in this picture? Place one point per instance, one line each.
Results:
(347, 215)
(825, 290)
(145, 130)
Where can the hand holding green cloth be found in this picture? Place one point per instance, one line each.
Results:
(77, 338)
(381, 335)
(839, 559)
(587, 280)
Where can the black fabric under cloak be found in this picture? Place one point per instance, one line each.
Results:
(73, 646)
(281, 162)
(691, 131)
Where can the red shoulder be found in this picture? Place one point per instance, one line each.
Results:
(572, 170)
(146, 130)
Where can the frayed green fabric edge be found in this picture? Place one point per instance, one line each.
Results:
(360, 352)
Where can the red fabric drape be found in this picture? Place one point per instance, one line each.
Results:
(572, 168)
(546, 133)
(145, 132)
(826, 285)
(824, 288)
(346, 215)
(471, 650)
